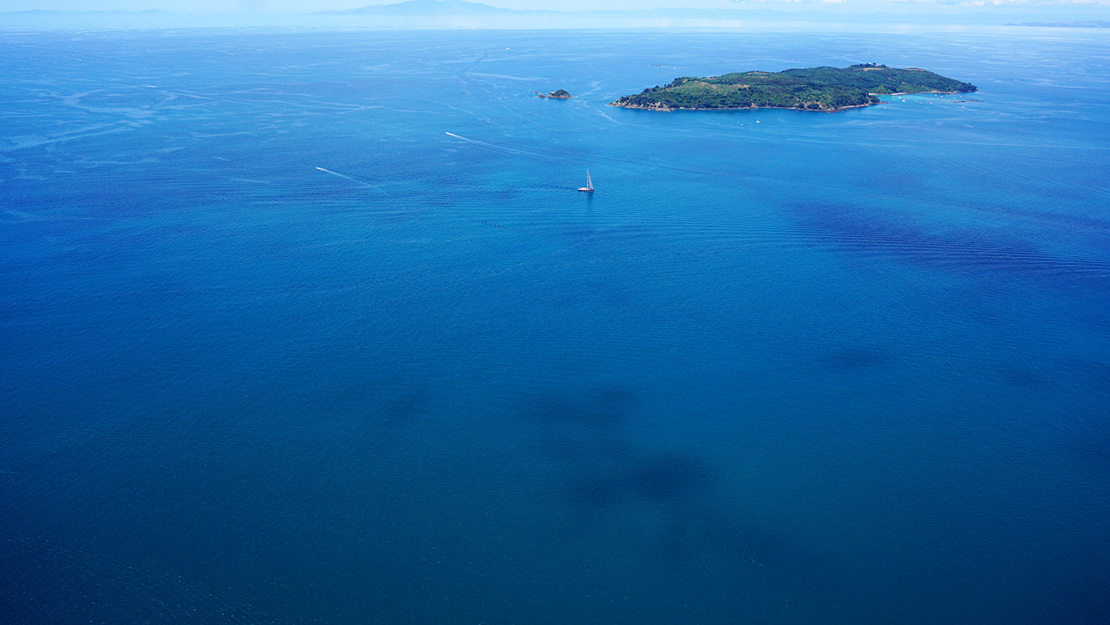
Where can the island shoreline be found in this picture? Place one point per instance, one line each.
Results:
(665, 109)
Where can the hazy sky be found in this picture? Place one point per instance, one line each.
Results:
(1097, 9)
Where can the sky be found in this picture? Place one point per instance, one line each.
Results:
(1046, 9)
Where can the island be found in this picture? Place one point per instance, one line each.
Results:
(560, 94)
(826, 89)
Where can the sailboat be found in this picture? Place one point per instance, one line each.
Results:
(589, 188)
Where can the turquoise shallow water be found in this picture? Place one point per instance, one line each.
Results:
(313, 327)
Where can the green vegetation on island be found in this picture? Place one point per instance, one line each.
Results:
(560, 94)
(811, 89)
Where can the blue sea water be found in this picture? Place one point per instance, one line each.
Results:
(313, 327)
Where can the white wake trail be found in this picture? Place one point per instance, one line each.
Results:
(506, 148)
(352, 179)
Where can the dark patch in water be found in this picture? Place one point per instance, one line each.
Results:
(585, 237)
(388, 402)
(13, 310)
(402, 407)
(660, 478)
(708, 527)
(853, 227)
(668, 476)
(1023, 378)
(577, 449)
(605, 475)
(605, 408)
(854, 358)
(584, 431)
(1091, 446)
(592, 492)
(1094, 372)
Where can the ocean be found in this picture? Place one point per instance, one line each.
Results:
(313, 327)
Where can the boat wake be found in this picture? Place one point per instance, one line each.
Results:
(505, 148)
(351, 178)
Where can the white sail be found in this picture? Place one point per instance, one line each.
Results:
(589, 188)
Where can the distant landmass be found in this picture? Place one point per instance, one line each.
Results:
(558, 94)
(425, 7)
(1094, 24)
(44, 18)
(437, 12)
(48, 12)
(811, 89)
